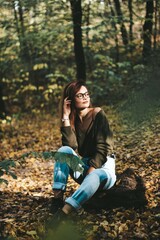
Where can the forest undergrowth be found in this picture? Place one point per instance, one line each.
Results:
(25, 202)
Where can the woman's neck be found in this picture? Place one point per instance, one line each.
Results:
(82, 113)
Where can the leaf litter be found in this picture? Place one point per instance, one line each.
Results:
(25, 201)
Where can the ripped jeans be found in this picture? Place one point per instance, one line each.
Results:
(99, 179)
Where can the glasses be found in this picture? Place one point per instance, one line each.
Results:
(82, 95)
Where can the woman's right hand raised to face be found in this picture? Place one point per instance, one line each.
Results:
(66, 108)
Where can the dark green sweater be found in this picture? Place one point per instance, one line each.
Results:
(92, 138)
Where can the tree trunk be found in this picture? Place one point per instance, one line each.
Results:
(120, 21)
(130, 21)
(2, 105)
(20, 18)
(88, 22)
(78, 46)
(155, 24)
(24, 48)
(115, 27)
(128, 192)
(147, 30)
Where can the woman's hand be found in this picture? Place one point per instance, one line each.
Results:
(66, 108)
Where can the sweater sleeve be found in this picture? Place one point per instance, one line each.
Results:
(103, 140)
(69, 137)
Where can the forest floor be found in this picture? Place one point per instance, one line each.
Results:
(25, 202)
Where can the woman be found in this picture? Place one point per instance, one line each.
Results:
(85, 131)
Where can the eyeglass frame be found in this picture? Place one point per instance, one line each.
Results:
(82, 95)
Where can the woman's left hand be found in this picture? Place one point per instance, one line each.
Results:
(66, 107)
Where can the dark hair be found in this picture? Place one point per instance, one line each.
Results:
(72, 88)
(70, 91)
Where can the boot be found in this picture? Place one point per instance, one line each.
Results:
(56, 204)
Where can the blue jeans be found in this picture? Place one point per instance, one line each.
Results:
(89, 184)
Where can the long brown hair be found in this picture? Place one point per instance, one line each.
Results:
(70, 91)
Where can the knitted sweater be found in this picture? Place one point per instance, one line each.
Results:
(92, 138)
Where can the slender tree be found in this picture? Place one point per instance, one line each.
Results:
(21, 32)
(88, 21)
(120, 21)
(78, 46)
(147, 29)
(2, 105)
(19, 21)
(130, 7)
(116, 30)
(155, 24)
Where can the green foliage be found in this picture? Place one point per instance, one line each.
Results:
(109, 79)
(143, 101)
(37, 52)
(26, 62)
(5, 166)
(74, 162)
(141, 75)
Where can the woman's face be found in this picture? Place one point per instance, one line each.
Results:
(82, 98)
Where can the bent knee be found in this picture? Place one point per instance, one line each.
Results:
(94, 178)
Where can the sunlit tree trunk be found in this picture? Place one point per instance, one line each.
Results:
(16, 21)
(147, 30)
(157, 6)
(78, 46)
(120, 21)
